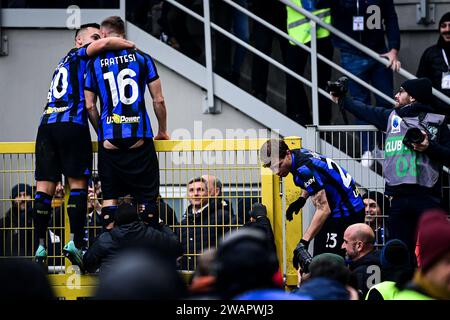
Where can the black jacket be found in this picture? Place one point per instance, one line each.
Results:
(263, 223)
(360, 269)
(135, 234)
(203, 231)
(342, 13)
(431, 66)
(379, 116)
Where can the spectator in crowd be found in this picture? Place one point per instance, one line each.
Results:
(299, 28)
(411, 193)
(166, 213)
(274, 12)
(356, 19)
(202, 226)
(215, 193)
(63, 142)
(23, 280)
(333, 191)
(396, 266)
(202, 285)
(432, 279)
(362, 257)
(258, 220)
(127, 160)
(94, 220)
(376, 204)
(244, 263)
(328, 279)
(16, 238)
(175, 30)
(137, 274)
(229, 19)
(434, 63)
(128, 232)
(56, 227)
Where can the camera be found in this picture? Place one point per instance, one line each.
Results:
(302, 258)
(413, 135)
(339, 87)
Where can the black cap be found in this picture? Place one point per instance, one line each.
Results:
(21, 187)
(420, 89)
(258, 210)
(445, 18)
(126, 213)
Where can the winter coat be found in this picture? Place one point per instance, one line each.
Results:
(135, 234)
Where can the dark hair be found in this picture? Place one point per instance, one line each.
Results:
(244, 262)
(114, 23)
(85, 26)
(198, 179)
(272, 149)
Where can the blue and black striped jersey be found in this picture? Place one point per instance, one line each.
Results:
(119, 79)
(65, 101)
(314, 172)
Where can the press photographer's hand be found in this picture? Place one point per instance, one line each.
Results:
(295, 207)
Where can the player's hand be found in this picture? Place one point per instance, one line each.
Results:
(162, 136)
(295, 207)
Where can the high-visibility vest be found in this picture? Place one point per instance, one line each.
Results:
(408, 294)
(387, 289)
(299, 27)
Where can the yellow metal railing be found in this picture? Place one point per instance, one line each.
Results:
(234, 162)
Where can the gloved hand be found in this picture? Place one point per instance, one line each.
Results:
(295, 207)
(302, 257)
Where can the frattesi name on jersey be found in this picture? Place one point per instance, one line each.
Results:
(120, 59)
(117, 119)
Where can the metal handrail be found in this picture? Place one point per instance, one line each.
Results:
(271, 60)
(359, 46)
(314, 56)
(304, 47)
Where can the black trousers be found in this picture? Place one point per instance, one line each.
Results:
(297, 106)
(263, 41)
(404, 216)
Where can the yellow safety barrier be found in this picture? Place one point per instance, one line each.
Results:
(234, 162)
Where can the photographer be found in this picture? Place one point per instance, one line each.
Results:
(413, 164)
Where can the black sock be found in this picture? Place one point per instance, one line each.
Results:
(77, 210)
(41, 213)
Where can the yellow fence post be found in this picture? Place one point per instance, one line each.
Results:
(293, 228)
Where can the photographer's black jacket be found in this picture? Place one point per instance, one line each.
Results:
(135, 234)
(378, 116)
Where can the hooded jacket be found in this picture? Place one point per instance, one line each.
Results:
(361, 271)
(437, 150)
(109, 244)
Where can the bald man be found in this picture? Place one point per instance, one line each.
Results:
(362, 257)
(214, 186)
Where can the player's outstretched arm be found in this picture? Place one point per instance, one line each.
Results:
(160, 109)
(110, 43)
(320, 202)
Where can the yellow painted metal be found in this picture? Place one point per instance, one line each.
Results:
(17, 147)
(73, 286)
(294, 227)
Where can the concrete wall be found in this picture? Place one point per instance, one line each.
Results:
(25, 76)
